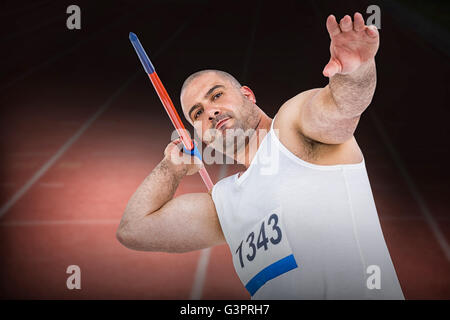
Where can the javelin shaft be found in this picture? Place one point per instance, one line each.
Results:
(168, 105)
(170, 109)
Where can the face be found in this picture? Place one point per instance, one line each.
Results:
(219, 111)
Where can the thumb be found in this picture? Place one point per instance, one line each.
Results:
(332, 68)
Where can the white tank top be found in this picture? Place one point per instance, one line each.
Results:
(297, 230)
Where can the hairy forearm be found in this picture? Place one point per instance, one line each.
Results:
(352, 93)
(154, 192)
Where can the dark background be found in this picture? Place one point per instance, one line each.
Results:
(81, 127)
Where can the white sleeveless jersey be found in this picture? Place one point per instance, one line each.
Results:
(302, 231)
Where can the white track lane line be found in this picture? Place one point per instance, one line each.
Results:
(200, 274)
(203, 261)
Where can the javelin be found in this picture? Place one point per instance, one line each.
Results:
(189, 146)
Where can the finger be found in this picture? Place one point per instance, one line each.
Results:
(331, 68)
(332, 26)
(174, 146)
(170, 146)
(346, 24)
(358, 22)
(372, 31)
(174, 154)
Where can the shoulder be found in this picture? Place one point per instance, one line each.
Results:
(291, 110)
(288, 129)
(286, 122)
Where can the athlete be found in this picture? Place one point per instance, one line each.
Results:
(300, 221)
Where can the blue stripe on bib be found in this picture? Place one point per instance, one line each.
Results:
(271, 271)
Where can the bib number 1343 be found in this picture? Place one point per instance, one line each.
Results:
(269, 234)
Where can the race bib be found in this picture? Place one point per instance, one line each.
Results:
(264, 253)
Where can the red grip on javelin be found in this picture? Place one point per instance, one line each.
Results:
(171, 111)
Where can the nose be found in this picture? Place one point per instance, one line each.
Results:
(213, 113)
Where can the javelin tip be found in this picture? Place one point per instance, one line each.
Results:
(133, 36)
(146, 63)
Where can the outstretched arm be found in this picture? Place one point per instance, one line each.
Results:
(331, 114)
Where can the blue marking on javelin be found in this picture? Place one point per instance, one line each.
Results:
(272, 271)
(146, 63)
(193, 152)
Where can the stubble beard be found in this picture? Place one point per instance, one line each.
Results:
(232, 141)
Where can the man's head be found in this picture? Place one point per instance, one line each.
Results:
(216, 104)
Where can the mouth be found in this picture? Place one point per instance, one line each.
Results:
(221, 123)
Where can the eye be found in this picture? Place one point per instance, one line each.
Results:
(217, 95)
(198, 113)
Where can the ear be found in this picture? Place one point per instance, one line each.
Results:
(248, 93)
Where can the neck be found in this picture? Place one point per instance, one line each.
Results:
(246, 154)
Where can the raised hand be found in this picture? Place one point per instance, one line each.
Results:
(352, 44)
